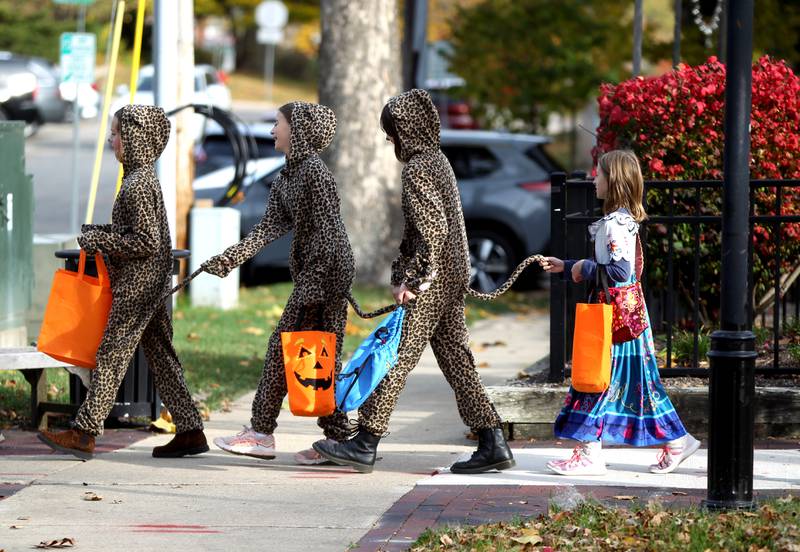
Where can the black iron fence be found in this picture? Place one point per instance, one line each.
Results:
(681, 241)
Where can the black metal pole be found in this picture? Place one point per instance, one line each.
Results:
(558, 241)
(723, 32)
(408, 44)
(676, 40)
(415, 23)
(637, 37)
(732, 354)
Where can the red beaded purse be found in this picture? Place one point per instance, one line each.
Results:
(629, 317)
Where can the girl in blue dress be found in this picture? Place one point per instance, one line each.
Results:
(635, 409)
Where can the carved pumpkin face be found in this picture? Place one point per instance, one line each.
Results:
(312, 361)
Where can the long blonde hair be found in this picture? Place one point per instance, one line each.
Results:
(625, 183)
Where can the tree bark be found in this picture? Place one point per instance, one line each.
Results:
(359, 70)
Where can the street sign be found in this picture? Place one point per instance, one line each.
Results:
(78, 51)
(75, 2)
(272, 14)
(266, 35)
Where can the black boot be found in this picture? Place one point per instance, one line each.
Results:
(492, 454)
(359, 452)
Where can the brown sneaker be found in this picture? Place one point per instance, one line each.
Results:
(183, 444)
(72, 441)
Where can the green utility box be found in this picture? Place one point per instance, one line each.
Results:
(16, 235)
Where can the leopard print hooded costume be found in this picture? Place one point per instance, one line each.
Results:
(304, 199)
(139, 250)
(434, 264)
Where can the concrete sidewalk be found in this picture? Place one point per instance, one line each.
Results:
(222, 502)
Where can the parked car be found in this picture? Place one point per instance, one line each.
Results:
(88, 99)
(209, 89)
(504, 181)
(30, 90)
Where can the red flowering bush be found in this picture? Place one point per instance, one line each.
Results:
(674, 123)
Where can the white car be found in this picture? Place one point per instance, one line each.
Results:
(208, 90)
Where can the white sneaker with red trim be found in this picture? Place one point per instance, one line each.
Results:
(674, 453)
(586, 459)
(248, 443)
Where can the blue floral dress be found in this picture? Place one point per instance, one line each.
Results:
(635, 409)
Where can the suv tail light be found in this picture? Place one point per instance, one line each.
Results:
(538, 186)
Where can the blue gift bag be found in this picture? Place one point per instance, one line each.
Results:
(370, 363)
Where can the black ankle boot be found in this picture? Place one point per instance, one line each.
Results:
(492, 454)
(359, 452)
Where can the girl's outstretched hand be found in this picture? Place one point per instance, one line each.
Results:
(551, 264)
(577, 275)
(402, 294)
(217, 265)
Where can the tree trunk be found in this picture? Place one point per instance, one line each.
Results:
(359, 71)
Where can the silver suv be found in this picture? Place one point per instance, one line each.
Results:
(504, 180)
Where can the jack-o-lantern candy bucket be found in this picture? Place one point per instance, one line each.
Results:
(309, 358)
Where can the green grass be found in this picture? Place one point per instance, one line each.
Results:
(594, 526)
(223, 351)
(15, 395)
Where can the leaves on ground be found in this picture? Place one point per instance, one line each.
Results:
(595, 526)
(66, 542)
(92, 497)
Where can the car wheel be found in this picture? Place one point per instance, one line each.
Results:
(31, 128)
(491, 258)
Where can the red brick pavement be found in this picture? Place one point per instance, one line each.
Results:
(428, 506)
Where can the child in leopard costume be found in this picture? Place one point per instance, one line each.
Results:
(431, 278)
(302, 199)
(139, 250)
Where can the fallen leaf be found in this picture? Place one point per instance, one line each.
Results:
(658, 518)
(192, 336)
(214, 386)
(93, 497)
(528, 539)
(252, 330)
(66, 542)
(624, 497)
(445, 540)
(678, 493)
(179, 315)
(483, 364)
(749, 514)
(10, 383)
(244, 363)
(16, 526)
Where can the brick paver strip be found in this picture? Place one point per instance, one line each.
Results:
(25, 443)
(430, 506)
